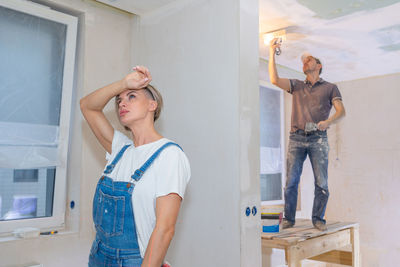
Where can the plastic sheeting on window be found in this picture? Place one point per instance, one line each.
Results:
(26, 146)
(32, 66)
(270, 160)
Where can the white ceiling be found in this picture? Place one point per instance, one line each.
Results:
(353, 39)
(138, 7)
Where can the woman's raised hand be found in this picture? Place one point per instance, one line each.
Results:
(138, 79)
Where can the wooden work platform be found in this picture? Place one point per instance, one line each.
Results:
(303, 241)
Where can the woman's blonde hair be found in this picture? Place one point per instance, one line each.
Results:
(152, 93)
(156, 96)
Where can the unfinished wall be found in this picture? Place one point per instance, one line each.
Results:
(103, 55)
(364, 171)
(203, 57)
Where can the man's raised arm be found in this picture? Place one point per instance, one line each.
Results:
(282, 83)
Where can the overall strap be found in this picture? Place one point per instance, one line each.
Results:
(111, 166)
(139, 172)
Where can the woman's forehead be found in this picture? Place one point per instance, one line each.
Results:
(128, 91)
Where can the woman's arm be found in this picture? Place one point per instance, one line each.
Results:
(167, 209)
(92, 105)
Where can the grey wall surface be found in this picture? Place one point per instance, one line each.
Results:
(194, 51)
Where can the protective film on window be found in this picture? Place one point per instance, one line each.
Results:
(270, 144)
(32, 60)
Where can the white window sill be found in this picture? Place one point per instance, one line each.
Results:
(13, 238)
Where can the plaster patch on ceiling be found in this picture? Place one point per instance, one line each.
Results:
(278, 14)
(392, 47)
(388, 35)
(338, 8)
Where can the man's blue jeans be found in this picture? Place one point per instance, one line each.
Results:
(316, 146)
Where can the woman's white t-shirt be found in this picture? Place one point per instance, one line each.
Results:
(169, 173)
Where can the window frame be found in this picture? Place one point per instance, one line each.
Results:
(269, 85)
(57, 220)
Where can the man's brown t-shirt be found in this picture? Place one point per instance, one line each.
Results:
(311, 103)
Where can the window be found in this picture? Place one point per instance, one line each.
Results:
(37, 51)
(271, 144)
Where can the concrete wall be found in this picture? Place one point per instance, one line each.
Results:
(203, 57)
(103, 55)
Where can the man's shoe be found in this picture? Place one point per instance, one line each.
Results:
(320, 226)
(286, 224)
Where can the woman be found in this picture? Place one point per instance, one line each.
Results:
(138, 197)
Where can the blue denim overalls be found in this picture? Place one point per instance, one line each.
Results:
(116, 243)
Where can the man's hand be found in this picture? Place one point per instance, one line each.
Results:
(137, 79)
(282, 83)
(340, 113)
(273, 44)
(323, 125)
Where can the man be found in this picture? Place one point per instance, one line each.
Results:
(311, 105)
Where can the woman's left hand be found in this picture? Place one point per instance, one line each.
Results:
(137, 79)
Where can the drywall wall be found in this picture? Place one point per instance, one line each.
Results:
(104, 47)
(208, 76)
(364, 172)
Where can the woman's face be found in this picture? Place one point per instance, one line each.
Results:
(133, 106)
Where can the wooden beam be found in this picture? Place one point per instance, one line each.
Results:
(292, 259)
(269, 244)
(315, 246)
(355, 245)
(335, 256)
